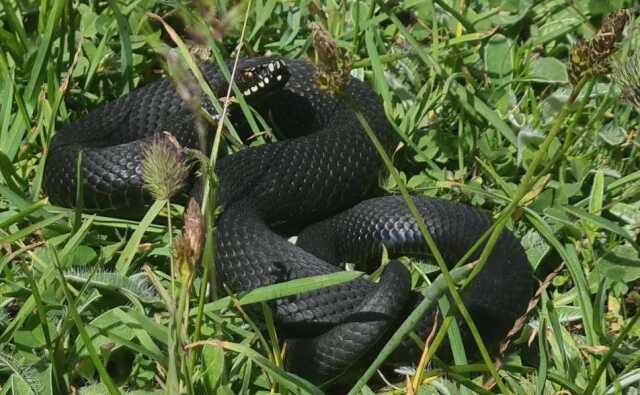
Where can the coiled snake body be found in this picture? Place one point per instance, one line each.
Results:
(328, 166)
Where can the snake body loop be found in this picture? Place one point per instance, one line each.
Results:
(319, 179)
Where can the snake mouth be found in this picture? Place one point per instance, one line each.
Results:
(262, 78)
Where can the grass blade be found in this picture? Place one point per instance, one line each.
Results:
(124, 262)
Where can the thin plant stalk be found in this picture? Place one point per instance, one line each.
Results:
(527, 181)
(171, 259)
(225, 108)
(275, 344)
(208, 271)
(432, 247)
(570, 138)
(422, 363)
(182, 319)
(208, 196)
(208, 255)
(529, 178)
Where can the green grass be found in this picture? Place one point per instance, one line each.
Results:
(479, 94)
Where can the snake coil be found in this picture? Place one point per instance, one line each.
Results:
(315, 183)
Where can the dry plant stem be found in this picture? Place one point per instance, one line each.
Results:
(440, 336)
(532, 304)
(417, 378)
(432, 247)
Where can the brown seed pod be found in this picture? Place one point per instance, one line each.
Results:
(593, 56)
(334, 66)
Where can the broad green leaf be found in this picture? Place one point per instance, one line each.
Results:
(131, 248)
(549, 70)
(214, 366)
(498, 58)
(620, 264)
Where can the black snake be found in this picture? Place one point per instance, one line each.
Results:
(328, 165)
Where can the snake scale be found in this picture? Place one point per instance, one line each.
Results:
(319, 181)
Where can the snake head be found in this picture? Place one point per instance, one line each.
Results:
(259, 76)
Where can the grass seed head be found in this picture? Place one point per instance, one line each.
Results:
(187, 248)
(164, 167)
(182, 257)
(334, 65)
(184, 82)
(193, 229)
(325, 47)
(212, 23)
(592, 56)
(627, 73)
